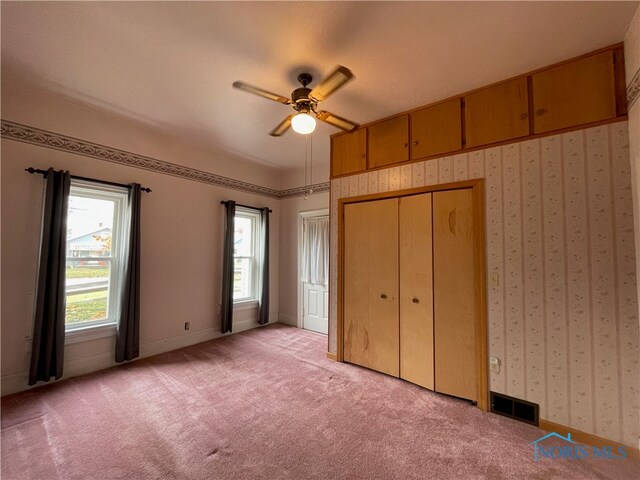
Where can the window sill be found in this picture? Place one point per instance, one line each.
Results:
(90, 333)
(246, 305)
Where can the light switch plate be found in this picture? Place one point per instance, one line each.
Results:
(495, 364)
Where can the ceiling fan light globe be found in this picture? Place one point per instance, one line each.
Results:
(303, 123)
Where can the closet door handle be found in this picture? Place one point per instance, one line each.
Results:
(415, 300)
(383, 295)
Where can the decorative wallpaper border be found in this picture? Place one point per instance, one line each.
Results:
(43, 138)
(633, 90)
(303, 191)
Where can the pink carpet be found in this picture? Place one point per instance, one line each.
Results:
(265, 404)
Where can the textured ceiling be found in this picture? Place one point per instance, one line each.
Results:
(171, 64)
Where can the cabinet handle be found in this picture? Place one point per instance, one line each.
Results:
(362, 156)
(540, 111)
(523, 116)
(415, 142)
(383, 295)
(415, 300)
(405, 145)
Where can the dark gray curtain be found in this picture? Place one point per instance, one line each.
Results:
(47, 351)
(128, 338)
(263, 309)
(227, 267)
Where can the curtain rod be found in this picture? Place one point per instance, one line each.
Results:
(223, 202)
(44, 174)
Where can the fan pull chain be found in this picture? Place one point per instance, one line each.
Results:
(306, 167)
(311, 165)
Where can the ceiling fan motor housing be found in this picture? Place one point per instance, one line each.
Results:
(300, 95)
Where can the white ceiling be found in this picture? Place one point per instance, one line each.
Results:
(172, 64)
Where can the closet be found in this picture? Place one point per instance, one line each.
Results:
(409, 289)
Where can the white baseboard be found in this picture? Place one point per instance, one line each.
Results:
(17, 382)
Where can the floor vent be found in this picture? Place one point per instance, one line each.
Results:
(514, 408)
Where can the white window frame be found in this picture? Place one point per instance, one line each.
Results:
(119, 195)
(254, 264)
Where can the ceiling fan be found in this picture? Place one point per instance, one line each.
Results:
(305, 102)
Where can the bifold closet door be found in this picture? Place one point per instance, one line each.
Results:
(416, 290)
(371, 333)
(454, 294)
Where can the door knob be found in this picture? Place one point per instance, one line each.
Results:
(405, 145)
(362, 156)
(383, 295)
(523, 116)
(415, 142)
(415, 300)
(540, 111)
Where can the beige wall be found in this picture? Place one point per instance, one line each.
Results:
(290, 224)
(35, 108)
(181, 231)
(290, 221)
(563, 319)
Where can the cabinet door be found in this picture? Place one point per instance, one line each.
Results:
(497, 113)
(389, 142)
(416, 290)
(349, 152)
(575, 93)
(456, 371)
(436, 129)
(370, 292)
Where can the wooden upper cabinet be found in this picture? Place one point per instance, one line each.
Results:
(349, 152)
(497, 113)
(389, 142)
(575, 93)
(436, 129)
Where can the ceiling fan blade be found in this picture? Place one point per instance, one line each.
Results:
(336, 121)
(333, 82)
(261, 93)
(282, 128)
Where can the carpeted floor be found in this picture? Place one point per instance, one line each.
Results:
(265, 404)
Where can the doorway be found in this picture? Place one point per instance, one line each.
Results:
(313, 293)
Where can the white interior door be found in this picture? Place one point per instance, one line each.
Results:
(315, 308)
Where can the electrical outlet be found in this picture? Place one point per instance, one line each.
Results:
(494, 362)
(494, 279)
(187, 325)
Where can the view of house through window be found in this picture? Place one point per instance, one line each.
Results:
(94, 244)
(245, 253)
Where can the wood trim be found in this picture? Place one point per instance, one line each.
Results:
(587, 438)
(621, 118)
(332, 356)
(477, 185)
(482, 353)
(410, 191)
(340, 278)
(620, 81)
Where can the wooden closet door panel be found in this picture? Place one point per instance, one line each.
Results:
(388, 142)
(497, 113)
(349, 152)
(456, 371)
(575, 93)
(371, 331)
(436, 129)
(416, 290)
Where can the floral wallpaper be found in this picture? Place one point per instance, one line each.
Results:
(562, 315)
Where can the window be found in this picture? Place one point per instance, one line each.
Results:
(246, 250)
(95, 232)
